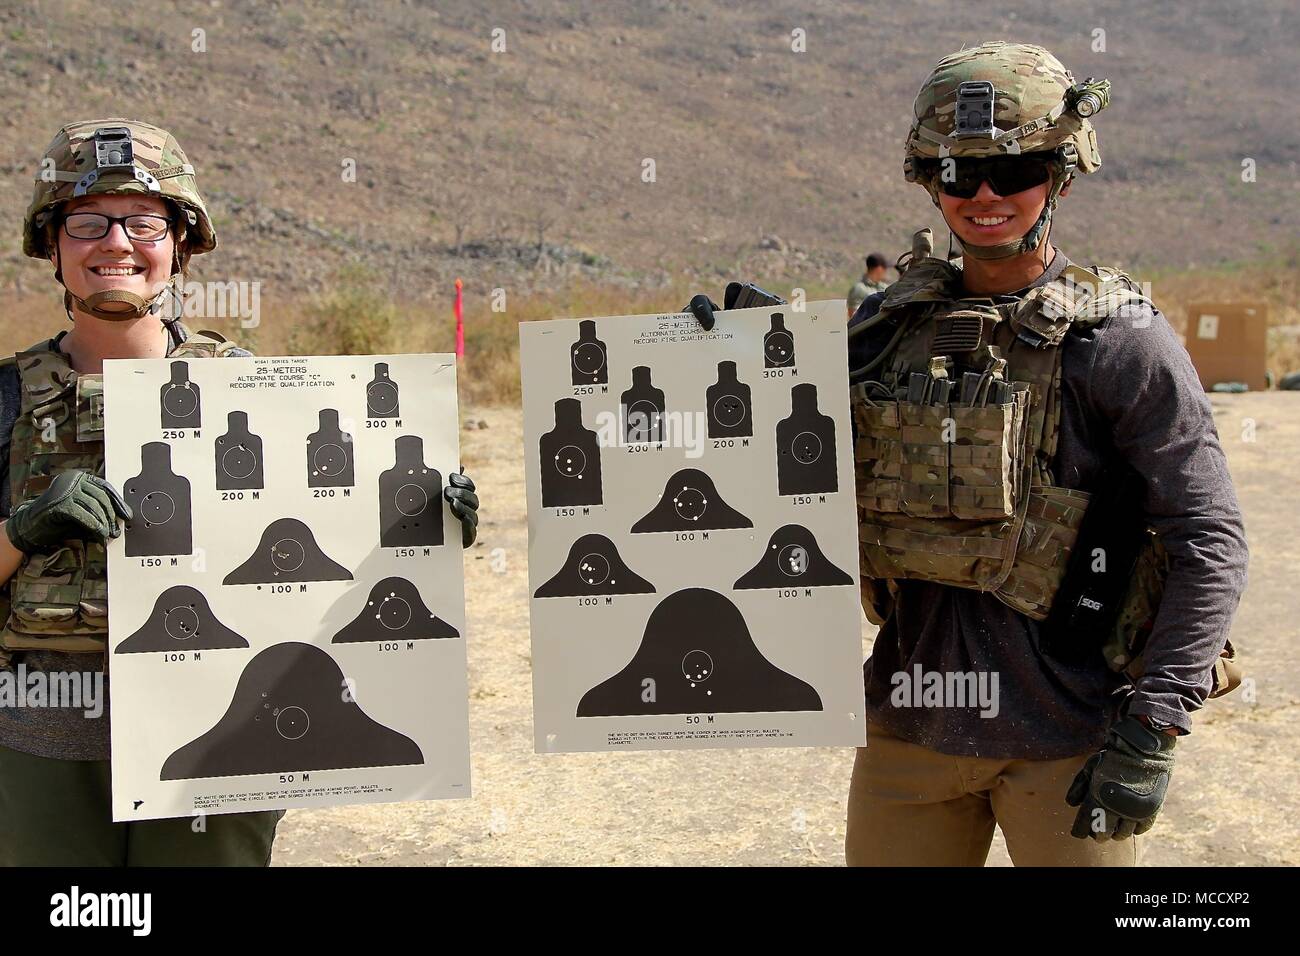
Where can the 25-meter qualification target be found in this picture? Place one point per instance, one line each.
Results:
(285, 615)
(692, 531)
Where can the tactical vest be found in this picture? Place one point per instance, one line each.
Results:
(58, 600)
(957, 432)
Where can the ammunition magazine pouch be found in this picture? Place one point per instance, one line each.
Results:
(58, 600)
(954, 448)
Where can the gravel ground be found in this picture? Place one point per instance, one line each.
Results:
(1232, 800)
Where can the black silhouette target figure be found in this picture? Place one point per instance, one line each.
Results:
(395, 611)
(160, 503)
(643, 408)
(287, 553)
(805, 447)
(778, 344)
(410, 498)
(290, 711)
(697, 656)
(238, 455)
(181, 620)
(690, 502)
(731, 409)
(793, 559)
(594, 567)
(381, 394)
(179, 400)
(589, 362)
(570, 460)
(329, 454)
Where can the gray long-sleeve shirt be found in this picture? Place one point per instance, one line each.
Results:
(1129, 392)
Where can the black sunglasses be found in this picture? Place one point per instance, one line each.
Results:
(1006, 175)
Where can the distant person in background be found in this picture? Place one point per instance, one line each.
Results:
(872, 281)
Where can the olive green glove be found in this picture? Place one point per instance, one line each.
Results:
(77, 504)
(464, 505)
(1120, 790)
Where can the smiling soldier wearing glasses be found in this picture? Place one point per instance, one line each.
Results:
(117, 212)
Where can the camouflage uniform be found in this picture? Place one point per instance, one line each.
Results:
(54, 768)
(861, 289)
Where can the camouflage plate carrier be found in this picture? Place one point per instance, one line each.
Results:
(58, 600)
(956, 437)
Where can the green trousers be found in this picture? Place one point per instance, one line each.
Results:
(58, 813)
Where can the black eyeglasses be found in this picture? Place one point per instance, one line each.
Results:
(1006, 175)
(95, 225)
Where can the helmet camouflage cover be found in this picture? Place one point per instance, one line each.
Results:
(1005, 99)
(1034, 96)
(115, 156)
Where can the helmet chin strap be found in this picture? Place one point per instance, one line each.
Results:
(119, 305)
(115, 305)
(1030, 241)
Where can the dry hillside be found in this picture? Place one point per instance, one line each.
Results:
(783, 164)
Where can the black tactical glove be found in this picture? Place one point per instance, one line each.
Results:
(77, 504)
(464, 505)
(702, 307)
(1119, 790)
(738, 295)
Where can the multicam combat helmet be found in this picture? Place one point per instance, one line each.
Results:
(116, 156)
(1005, 99)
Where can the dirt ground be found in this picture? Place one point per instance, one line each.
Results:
(1232, 800)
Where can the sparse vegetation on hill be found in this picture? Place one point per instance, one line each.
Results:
(356, 316)
(390, 135)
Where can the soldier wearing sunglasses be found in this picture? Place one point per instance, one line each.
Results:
(1045, 511)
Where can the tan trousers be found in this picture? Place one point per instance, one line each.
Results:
(912, 806)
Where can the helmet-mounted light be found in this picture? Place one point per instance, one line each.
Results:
(1089, 97)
